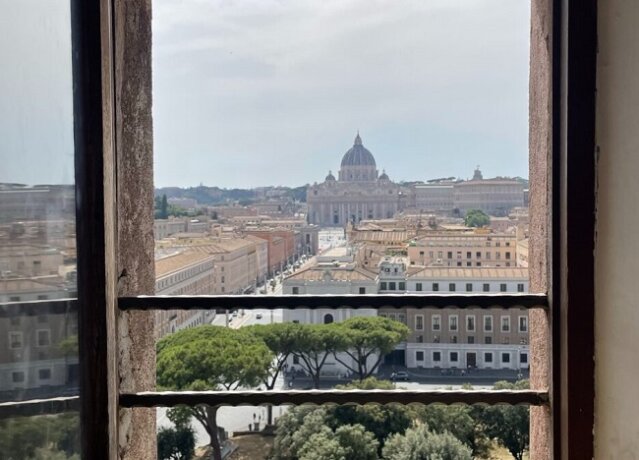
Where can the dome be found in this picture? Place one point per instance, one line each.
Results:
(358, 155)
(384, 176)
(330, 176)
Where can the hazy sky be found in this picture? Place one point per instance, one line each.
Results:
(268, 92)
(36, 104)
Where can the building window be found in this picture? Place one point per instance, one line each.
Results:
(487, 255)
(382, 285)
(437, 356)
(452, 323)
(471, 339)
(402, 286)
(505, 358)
(362, 290)
(453, 339)
(43, 337)
(502, 287)
(469, 255)
(488, 340)
(451, 287)
(328, 318)
(488, 323)
(450, 255)
(508, 256)
(437, 322)
(520, 287)
(418, 286)
(296, 359)
(488, 357)
(523, 324)
(15, 321)
(478, 255)
(419, 356)
(17, 377)
(296, 290)
(469, 287)
(14, 299)
(486, 287)
(392, 286)
(470, 323)
(505, 324)
(523, 358)
(44, 374)
(454, 356)
(435, 287)
(15, 340)
(419, 322)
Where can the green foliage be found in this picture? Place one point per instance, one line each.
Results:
(286, 445)
(476, 218)
(210, 357)
(418, 443)
(460, 421)
(358, 443)
(314, 343)
(303, 433)
(41, 437)
(510, 425)
(282, 340)
(362, 337)
(369, 383)
(176, 443)
(69, 345)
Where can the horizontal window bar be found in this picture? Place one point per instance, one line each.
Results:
(39, 407)
(275, 398)
(39, 307)
(253, 302)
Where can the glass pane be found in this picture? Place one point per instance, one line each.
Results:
(42, 437)
(38, 343)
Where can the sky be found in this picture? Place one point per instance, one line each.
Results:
(36, 99)
(273, 92)
(253, 93)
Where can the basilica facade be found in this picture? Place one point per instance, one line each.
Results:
(358, 192)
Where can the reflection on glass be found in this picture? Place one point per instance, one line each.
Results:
(38, 337)
(43, 437)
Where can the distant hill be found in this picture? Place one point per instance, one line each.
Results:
(215, 196)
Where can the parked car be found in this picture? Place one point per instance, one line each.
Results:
(400, 375)
(258, 316)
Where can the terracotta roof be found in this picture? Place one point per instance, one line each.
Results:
(176, 262)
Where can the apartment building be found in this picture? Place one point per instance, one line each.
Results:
(463, 248)
(469, 338)
(183, 272)
(281, 246)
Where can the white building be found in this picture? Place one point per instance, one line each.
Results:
(333, 273)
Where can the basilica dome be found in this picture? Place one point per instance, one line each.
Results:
(358, 155)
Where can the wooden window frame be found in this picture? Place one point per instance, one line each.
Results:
(570, 300)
